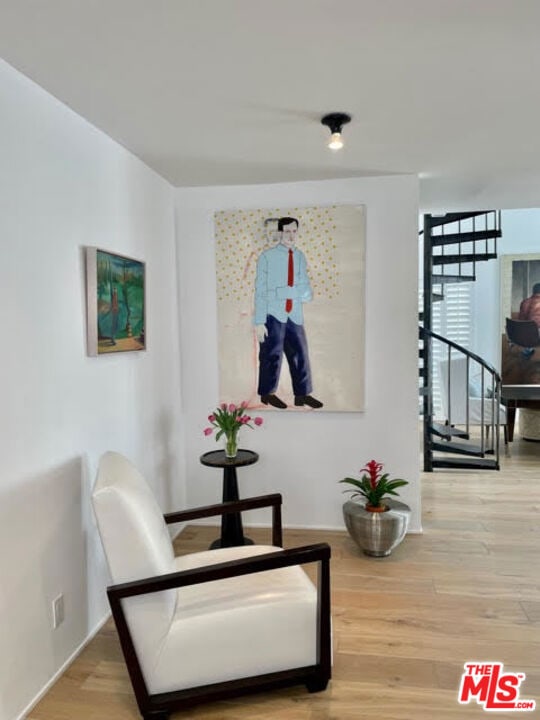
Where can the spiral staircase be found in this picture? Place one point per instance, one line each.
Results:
(453, 244)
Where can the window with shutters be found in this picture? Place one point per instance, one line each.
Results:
(452, 319)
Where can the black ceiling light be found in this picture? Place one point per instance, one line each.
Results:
(335, 121)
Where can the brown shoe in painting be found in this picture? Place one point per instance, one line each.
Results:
(274, 401)
(308, 400)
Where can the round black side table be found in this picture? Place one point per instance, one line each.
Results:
(232, 532)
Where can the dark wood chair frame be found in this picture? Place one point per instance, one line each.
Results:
(315, 677)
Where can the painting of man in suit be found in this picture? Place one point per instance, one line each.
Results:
(290, 307)
(282, 287)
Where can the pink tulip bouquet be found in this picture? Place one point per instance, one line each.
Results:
(229, 419)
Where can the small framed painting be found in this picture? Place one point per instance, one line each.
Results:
(115, 289)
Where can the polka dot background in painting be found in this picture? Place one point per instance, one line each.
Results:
(241, 235)
(332, 239)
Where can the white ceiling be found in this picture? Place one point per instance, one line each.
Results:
(211, 92)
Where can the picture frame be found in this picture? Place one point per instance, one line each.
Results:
(520, 274)
(322, 364)
(115, 303)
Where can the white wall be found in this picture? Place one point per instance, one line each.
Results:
(64, 185)
(505, 191)
(303, 456)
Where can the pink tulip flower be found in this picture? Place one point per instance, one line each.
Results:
(208, 431)
(244, 404)
(258, 421)
(232, 407)
(211, 418)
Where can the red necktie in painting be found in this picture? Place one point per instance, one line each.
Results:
(290, 280)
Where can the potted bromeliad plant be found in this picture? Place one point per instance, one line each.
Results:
(377, 523)
(229, 420)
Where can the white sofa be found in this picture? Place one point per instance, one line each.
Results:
(482, 410)
(466, 405)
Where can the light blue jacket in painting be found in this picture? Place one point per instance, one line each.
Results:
(271, 289)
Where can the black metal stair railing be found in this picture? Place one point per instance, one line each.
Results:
(458, 421)
(475, 243)
(454, 243)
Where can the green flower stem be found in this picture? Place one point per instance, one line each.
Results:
(231, 444)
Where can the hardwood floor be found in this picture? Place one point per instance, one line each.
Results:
(467, 589)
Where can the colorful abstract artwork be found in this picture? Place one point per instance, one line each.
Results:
(115, 303)
(290, 295)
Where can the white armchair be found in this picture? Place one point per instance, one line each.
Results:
(212, 624)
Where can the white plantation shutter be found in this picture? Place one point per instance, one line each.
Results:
(452, 318)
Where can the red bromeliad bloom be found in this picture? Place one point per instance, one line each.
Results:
(373, 469)
(373, 486)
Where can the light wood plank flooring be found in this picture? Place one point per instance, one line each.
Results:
(467, 589)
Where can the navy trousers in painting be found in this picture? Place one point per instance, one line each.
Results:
(284, 338)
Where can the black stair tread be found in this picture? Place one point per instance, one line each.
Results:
(423, 391)
(465, 464)
(455, 217)
(448, 431)
(452, 278)
(463, 237)
(458, 448)
(455, 259)
(437, 297)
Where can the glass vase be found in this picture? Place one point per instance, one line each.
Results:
(231, 446)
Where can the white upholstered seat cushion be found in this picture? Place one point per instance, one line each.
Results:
(233, 628)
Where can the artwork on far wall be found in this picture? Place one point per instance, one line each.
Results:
(115, 287)
(290, 298)
(520, 301)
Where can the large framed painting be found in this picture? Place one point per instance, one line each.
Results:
(520, 319)
(115, 286)
(290, 295)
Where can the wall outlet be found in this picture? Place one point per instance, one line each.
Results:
(58, 610)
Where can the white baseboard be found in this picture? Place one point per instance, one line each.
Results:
(45, 689)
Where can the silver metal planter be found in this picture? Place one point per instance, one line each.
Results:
(377, 533)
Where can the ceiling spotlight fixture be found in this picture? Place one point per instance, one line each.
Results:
(335, 121)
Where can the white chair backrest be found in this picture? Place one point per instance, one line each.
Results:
(133, 532)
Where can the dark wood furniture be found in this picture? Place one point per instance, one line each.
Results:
(315, 677)
(522, 332)
(232, 532)
(519, 396)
